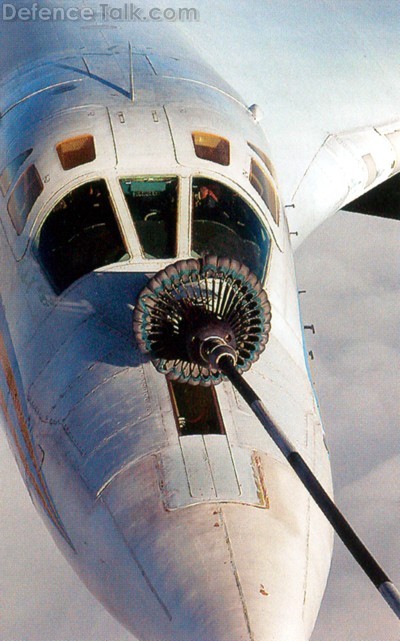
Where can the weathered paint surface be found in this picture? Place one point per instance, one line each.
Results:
(191, 538)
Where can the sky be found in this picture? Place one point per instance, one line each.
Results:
(350, 269)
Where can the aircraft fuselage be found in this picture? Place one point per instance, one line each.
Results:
(170, 502)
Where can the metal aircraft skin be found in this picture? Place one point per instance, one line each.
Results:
(187, 525)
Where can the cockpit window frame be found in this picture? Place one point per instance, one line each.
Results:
(267, 190)
(49, 208)
(263, 157)
(179, 196)
(10, 172)
(249, 200)
(19, 211)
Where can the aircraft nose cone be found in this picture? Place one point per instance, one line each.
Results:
(207, 569)
(184, 559)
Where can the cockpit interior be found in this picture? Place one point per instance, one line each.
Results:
(82, 233)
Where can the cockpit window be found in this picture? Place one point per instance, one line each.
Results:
(8, 174)
(225, 225)
(23, 197)
(153, 204)
(76, 151)
(265, 187)
(267, 162)
(211, 147)
(79, 235)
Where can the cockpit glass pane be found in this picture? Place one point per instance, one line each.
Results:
(76, 151)
(211, 147)
(8, 174)
(23, 197)
(267, 162)
(79, 235)
(225, 225)
(153, 204)
(264, 186)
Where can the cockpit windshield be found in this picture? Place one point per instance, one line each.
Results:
(225, 225)
(153, 203)
(79, 235)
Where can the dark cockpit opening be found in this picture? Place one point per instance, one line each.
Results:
(225, 225)
(79, 235)
(153, 205)
(196, 409)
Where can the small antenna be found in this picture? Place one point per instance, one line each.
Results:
(131, 82)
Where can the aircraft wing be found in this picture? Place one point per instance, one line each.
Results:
(354, 170)
(326, 77)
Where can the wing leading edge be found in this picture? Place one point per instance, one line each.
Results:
(357, 171)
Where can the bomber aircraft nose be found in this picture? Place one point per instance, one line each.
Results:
(187, 529)
(208, 571)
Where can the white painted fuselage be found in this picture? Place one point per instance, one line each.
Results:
(198, 536)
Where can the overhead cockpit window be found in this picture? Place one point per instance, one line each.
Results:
(23, 197)
(225, 225)
(76, 151)
(8, 174)
(79, 235)
(211, 147)
(264, 186)
(153, 204)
